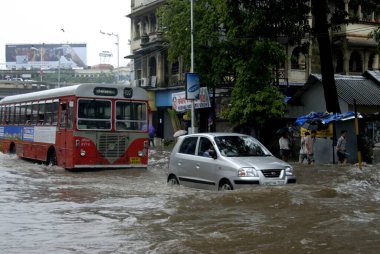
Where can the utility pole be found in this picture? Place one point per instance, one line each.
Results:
(117, 44)
(192, 61)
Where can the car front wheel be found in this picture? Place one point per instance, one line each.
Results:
(172, 180)
(225, 185)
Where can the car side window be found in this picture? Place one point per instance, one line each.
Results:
(204, 146)
(188, 145)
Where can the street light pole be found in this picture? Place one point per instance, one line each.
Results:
(192, 63)
(59, 70)
(117, 44)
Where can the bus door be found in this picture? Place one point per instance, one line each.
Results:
(65, 143)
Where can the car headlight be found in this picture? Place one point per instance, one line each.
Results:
(243, 172)
(289, 171)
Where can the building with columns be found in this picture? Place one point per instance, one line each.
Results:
(152, 69)
(354, 52)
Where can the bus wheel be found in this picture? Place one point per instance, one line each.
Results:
(52, 158)
(12, 148)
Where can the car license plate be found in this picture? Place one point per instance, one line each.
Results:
(275, 182)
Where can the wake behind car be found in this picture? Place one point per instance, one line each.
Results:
(225, 161)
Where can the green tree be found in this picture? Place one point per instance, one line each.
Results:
(256, 31)
(242, 40)
(376, 35)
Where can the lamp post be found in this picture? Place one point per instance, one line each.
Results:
(192, 62)
(117, 43)
(59, 70)
(36, 49)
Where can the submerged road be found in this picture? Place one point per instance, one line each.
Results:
(331, 209)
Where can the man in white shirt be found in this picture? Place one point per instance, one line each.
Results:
(284, 146)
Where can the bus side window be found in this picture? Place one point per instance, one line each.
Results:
(55, 113)
(11, 114)
(7, 115)
(70, 115)
(28, 114)
(17, 114)
(34, 119)
(48, 113)
(62, 122)
(41, 113)
(22, 114)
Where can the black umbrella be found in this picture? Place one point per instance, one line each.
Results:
(282, 131)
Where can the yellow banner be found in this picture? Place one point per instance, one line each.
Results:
(152, 101)
(327, 133)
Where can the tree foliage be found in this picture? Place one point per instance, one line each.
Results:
(376, 35)
(242, 39)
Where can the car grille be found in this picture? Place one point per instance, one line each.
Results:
(112, 145)
(271, 173)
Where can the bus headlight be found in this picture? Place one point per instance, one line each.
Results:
(82, 152)
(141, 153)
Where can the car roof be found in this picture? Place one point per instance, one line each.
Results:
(213, 134)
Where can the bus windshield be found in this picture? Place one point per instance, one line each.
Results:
(131, 116)
(94, 114)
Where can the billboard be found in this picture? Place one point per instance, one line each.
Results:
(46, 56)
(180, 103)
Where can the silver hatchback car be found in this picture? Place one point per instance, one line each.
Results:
(225, 161)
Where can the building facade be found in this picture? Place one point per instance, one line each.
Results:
(152, 69)
(353, 53)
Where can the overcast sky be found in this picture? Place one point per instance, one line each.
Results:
(41, 21)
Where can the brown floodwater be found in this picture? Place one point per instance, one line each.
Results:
(331, 209)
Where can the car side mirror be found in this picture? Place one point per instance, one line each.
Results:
(212, 153)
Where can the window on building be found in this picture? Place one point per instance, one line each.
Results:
(298, 59)
(339, 62)
(356, 62)
(175, 68)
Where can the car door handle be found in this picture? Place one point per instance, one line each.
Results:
(179, 163)
(197, 166)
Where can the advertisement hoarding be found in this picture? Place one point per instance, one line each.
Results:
(46, 56)
(180, 103)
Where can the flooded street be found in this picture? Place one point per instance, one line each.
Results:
(331, 209)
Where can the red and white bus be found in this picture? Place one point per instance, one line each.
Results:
(80, 126)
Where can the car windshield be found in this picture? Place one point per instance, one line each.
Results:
(240, 146)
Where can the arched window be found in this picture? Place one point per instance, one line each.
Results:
(298, 59)
(356, 62)
(339, 62)
(371, 61)
(175, 68)
(152, 66)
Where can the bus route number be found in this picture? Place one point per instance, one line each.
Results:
(128, 92)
